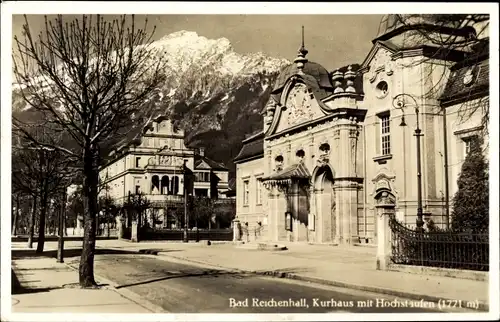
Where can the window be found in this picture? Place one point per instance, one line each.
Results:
(278, 161)
(137, 190)
(202, 176)
(201, 192)
(468, 142)
(246, 192)
(259, 192)
(300, 155)
(385, 134)
(382, 89)
(324, 148)
(137, 161)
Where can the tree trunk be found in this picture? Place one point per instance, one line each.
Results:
(86, 270)
(41, 224)
(16, 217)
(60, 242)
(32, 223)
(65, 229)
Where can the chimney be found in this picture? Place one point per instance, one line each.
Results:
(201, 151)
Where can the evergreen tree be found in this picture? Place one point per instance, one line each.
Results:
(471, 202)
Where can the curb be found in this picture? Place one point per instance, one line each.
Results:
(129, 295)
(280, 274)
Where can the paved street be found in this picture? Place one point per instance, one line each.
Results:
(181, 288)
(192, 278)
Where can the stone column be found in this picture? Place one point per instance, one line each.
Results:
(119, 226)
(236, 230)
(271, 214)
(346, 182)
(134, 232)
(383, 238)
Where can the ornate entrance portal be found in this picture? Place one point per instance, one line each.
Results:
(324, 206)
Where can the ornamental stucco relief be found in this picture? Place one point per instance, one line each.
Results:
(298, 105)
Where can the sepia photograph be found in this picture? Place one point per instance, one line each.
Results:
(249, 161)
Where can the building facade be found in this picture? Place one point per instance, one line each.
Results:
(153, 163)
(338, 148)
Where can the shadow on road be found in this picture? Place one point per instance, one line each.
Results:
(31, 253)
(206, 273)
(17, 288)
(23, 290)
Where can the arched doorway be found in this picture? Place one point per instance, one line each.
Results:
(324, 204)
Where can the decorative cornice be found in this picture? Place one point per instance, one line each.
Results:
(464, 131)
(338, 113)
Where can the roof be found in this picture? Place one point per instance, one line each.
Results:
(231, 188)
(296, 171)
(318, 72)
(392, 24)
(200, 160)
(476, 68)
(388, 23)
(232, 184)
(252, 147)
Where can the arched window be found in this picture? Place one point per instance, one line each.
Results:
(164, 185)
(175, 185)
(155, 185)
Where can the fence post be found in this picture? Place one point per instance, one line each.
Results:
(134, 234)
(120, 225)
(383, 240)
(236, 230)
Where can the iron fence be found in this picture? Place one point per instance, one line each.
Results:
(439, 249)
(251, 233)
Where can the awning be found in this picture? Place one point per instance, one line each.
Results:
(289, 174)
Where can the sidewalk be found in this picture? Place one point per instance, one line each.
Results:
(49, 287)
(352, 267)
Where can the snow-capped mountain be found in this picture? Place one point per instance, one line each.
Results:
(211, 91)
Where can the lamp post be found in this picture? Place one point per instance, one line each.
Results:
(399, 102)
(186, 219)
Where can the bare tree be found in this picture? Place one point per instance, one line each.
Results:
(92, 79)
(463, 36)
(39, 172)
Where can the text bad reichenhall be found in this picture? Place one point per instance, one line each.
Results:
(317, 302)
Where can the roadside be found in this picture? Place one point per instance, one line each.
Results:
(350, 268)
(48, 287)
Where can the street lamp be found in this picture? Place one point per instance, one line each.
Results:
(399, 102)
(186, 218)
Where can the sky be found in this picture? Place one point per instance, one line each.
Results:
(332, 40)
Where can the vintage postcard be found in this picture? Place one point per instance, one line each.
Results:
(249, 161)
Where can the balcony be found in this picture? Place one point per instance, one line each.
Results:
(162, 200)
(167, 198)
